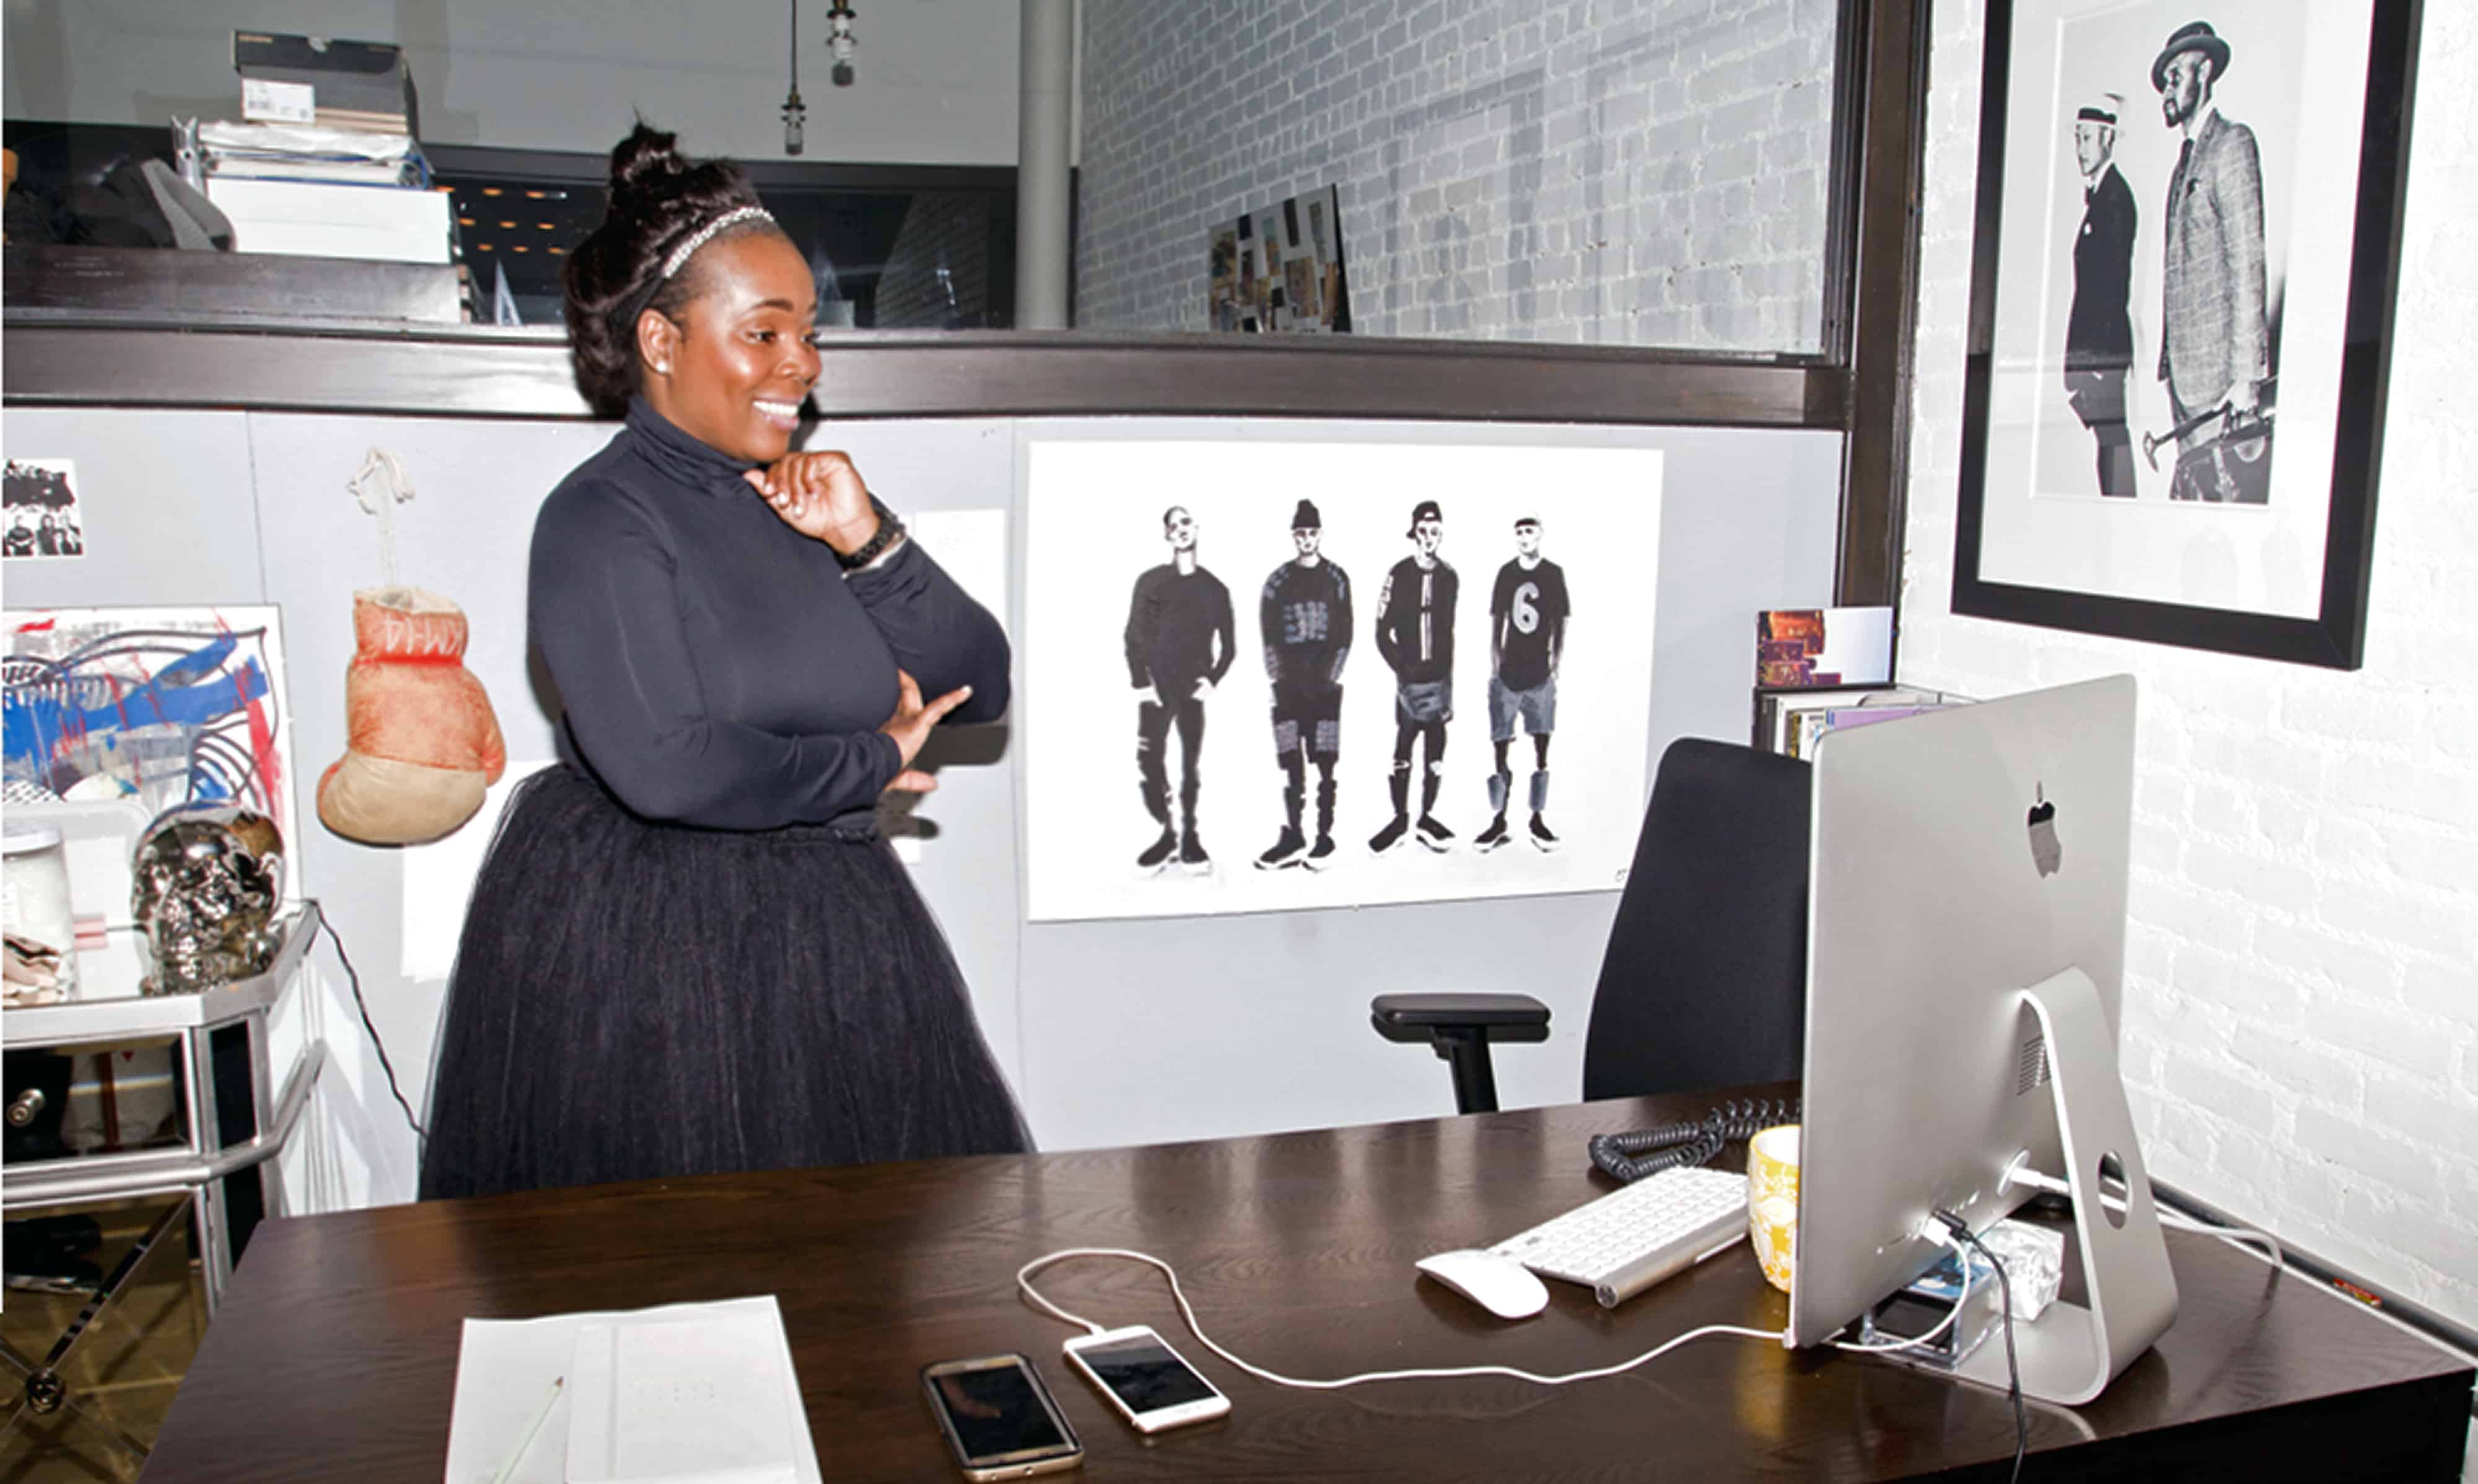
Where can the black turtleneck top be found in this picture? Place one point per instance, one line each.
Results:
(719, 669)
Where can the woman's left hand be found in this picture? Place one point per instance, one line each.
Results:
(820, 495)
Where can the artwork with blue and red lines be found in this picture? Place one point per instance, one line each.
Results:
(158, 705)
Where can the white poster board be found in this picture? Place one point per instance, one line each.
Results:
(1095, 517)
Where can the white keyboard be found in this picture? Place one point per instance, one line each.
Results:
(1636, 1236)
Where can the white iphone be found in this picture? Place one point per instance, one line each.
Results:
(1145, 1378)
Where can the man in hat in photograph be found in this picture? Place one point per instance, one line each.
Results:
(2099, 333)
(1180, 646)
(1415, 633)
(2214, 345)
(1527, 636)
(1305, 619)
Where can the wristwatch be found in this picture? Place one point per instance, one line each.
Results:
(869, 550)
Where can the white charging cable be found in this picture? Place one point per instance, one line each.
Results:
(2021, 1173)
(1941, 1233)
(1023, 1281)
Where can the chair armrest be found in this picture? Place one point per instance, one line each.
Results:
(1414, 1017)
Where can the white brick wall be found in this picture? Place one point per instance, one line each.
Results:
(2301, 1011)
(1646, 172)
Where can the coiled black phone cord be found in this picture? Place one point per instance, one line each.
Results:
(1673, 1145)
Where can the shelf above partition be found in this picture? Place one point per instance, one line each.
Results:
(67, 359)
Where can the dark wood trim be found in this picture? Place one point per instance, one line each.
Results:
(1887, 43)
(1842, 186)
(278, 293)
(498, 373)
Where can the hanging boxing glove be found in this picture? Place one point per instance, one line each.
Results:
(422, 742)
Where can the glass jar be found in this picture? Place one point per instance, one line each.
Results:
(35, 908)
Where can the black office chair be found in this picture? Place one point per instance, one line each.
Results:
(1703, 983)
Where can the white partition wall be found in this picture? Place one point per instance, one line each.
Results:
(1114, 1032)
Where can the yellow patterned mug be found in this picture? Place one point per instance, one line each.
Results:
(1772, 1202)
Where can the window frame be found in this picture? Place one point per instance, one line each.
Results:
(1858, 384)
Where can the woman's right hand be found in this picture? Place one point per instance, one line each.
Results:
(910, 726)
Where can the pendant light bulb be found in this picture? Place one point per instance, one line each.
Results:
(840, 42)
(795, 111)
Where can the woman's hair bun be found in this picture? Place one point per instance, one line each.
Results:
(659, 198)
(644, 156)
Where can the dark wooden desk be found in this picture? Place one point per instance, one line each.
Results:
(334, 1356)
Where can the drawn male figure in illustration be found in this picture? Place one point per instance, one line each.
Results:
(2099, 333)
(1179, 647)
(1527, 636)
(1305, 619)
(2215, 343)
(1415, 633)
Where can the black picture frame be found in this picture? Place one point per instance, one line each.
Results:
(2334, 635)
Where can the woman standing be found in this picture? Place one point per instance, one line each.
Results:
(689, 951)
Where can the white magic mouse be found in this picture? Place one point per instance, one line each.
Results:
(1500, 1285)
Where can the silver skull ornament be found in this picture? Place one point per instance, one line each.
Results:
(206, 881)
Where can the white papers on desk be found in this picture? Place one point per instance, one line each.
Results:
(722, 1374)
(695, 1398)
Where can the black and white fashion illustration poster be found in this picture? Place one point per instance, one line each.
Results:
(2172, 282)
(43, 516)
(1272, 675)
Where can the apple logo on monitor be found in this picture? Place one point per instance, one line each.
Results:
(2046, 852)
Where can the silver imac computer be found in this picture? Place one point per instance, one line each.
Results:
(1965, 957)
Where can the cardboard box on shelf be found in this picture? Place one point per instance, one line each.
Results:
(353, 83)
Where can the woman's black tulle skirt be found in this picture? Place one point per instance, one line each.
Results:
(635, 1001)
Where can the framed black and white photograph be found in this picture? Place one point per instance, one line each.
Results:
(2181, 319)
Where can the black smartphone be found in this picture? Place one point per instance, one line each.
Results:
(998, 1419)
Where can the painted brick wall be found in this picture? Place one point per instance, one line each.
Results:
(948, 232)
(2301, 1011)
(1647, 173)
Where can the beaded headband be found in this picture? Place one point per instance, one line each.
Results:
(623, 315)
(681, 254)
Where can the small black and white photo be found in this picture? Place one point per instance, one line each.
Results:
(2167, 257)
(45, 518)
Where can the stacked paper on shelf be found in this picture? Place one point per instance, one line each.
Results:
(321, 219)
(325, 192)
(309, 152)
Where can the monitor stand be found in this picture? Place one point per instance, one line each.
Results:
(2070, 1354)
